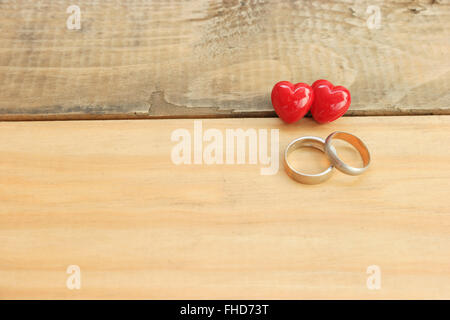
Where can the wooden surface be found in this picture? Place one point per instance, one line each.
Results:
(218, 58)
(105, 195)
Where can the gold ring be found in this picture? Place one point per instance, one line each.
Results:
(301, 177)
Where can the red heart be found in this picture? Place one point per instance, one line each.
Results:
(330, 102)
(291, 102)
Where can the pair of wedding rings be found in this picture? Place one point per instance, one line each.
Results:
(326, 147)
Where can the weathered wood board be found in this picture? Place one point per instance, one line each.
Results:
(105, 196)
(219, 58)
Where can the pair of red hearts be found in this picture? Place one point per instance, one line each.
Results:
(326, 102)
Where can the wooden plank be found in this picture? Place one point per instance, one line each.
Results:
(218, 58)
(106, 196)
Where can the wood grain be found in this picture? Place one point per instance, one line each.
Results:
(218, 58)
(106, 196)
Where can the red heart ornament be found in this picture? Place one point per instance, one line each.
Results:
(291, 102)
(330, 102)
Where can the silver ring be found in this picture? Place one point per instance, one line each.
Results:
(298, 176)
(355, 142)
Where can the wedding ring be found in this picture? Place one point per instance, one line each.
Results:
(301, 177)
(355, 142)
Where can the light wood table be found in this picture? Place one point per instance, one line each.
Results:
(106, 196)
